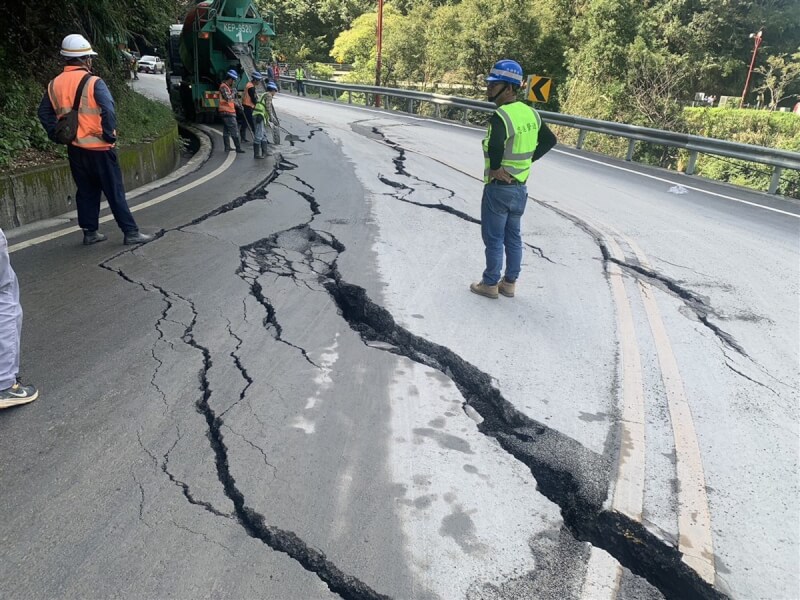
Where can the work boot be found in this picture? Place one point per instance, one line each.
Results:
(239, 148)
(226, 143)
(482, 289)
(136, 237)
(506, 287)
(264, 148)
(257, 150)
(92, 237)
(17, 394)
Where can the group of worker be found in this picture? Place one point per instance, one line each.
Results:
(255, 112)
(516, 137)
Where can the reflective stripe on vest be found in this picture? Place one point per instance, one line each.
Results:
(247, 100)
(226, 106)
(300, 73)
(522, 134)
(61, 91)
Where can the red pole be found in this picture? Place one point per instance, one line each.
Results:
(380, 46)
(757, 37)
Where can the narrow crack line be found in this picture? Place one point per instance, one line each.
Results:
(187, 492)
(258, 293)
(738, 372)
(539, 252)
(443, 207)
(141, 497)
(200, 534)
(255, 447)
(312, 201)
(693, 302)
(257, 193)
(238, 362)
(580, 498)
(303, 182)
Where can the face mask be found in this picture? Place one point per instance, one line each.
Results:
(497, 95)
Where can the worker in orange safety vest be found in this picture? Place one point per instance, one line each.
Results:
(91, 149)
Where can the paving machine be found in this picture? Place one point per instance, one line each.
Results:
(216, 35)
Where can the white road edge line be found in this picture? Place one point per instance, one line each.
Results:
(62, 232)
(688, 187)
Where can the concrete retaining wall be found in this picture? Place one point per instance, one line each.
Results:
(48, 191)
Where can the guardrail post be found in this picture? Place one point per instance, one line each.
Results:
(411, 106)
(437, 111)
(349, 97)
(629, 155)
(692, 162)
(776, 180)
(581, 138)
(464, 118)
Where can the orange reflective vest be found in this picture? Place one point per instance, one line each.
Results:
(61, 91)
(226, 106)
(247, 100)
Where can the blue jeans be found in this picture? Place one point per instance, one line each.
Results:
(501, 211)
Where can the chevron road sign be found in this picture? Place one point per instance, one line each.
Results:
(539, 88)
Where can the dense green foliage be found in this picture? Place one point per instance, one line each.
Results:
(32, 34)
(764, 128)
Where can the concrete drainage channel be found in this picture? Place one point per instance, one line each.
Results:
(577, 482)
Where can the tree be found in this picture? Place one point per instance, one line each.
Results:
(780, 72)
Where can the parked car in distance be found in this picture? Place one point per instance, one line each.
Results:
(151, 64)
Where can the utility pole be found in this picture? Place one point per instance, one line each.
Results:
(757, 37)
(379, 43)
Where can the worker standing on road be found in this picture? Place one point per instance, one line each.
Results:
(227, 111)
(300, 77)
(91, 149)
(264, 115)
(509, 149)
(11, 392)
(249, 102)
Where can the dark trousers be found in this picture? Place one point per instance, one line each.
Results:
(96, 172)
(301, 87)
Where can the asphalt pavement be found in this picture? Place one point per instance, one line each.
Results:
(291, 393)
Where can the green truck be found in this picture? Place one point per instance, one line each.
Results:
(216, 35)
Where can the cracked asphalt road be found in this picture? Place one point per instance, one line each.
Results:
(291, 394)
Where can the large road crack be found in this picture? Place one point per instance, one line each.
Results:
(566, 472)
(254, 524)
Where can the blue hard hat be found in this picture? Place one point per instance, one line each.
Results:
(256, 76)
(271, 86)
(506, 70)
(233, 74)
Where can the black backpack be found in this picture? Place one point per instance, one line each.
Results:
(67, 126)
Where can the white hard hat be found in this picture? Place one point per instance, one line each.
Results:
(76, 46)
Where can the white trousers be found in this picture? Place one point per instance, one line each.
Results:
(10, 319)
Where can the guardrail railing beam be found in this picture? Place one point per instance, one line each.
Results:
(778, 159)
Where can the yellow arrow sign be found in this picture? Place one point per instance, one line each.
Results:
(539, 88)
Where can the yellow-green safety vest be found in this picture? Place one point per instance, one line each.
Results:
(300, 74)
(522, 134)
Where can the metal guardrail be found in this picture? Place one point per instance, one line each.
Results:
(694, 144)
